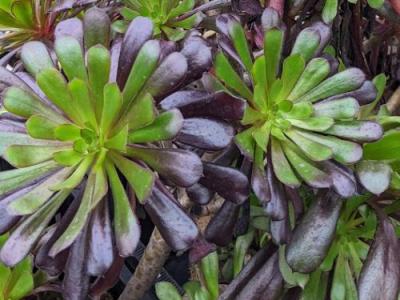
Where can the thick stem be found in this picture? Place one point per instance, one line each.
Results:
(154, 258)
(394, 102)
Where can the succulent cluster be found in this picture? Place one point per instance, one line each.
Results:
(115, 110)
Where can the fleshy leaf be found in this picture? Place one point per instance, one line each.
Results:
(36, 57)
(344, 108)
(307, 43)
(374, 175)
(69, 53)
(362, 131)
(273, 43)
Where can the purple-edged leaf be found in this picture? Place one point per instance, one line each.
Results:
(36, 57)
(100, 252)
(14, 179)
(198, 54)
(27, 155)
(380, 275)
(374, 175)
(72, 27)
(38, 195)
(25, 236)
(229, 183)
(314, 73)
(364, 95)
(8, 79)
(140, 179)
(343, 151)
(361, 131)
(182, 167)
(313, 235)
(144, 66)
(76, 279)
(70, 55)
(307, 43)
(200, 249)
(343, 180)
(220, 229)
(259, 184)
(7, 221)
(276, 208)
(309, 172)
(345, 81)
(206, 134)
(325, 33)
(198, 103)
(90, 195)
(139, 31)
(280, 231)
(282, 169)
(270, 19)
(169, 74)
(175, 226)
(165, 127)
(109, 279)
(199, 194)
(115, 52)
(126, 225)
(96, 28)
(342, 108)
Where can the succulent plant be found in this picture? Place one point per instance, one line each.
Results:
(165, 15)
(25, 20)
(300, 123)
(82, 128)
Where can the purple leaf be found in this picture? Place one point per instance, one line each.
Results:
(247, 7)
(182, 167)
(365, 94)
(277, 207)
(270, 19)
(380, 275)
(220, 228)
(343, 179)
(203, 104)
(312, 237)
(229, 183)
(325, 34)
(108, 280)
(76, 280)
(207, 134)
(7, 221)
(96, 28)
(199, 194)
(100, 252)
(115, 55)
(175, 226)
(8, 78)
(139, 31)
(200, 249)
(280, 231)
(71, 27)
(259, 184)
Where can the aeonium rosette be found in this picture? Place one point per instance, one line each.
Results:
(89, 123)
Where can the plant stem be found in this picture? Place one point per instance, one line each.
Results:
(394, 102)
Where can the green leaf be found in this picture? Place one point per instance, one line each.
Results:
(98, 64)
(273, 42)
(374, 175)
(142, 111)
(77, 176)
(314, 73)
(245, 142)
(167, 291)
(145, 64)
(92, 194)
(209, 266)
(191, 288)
(67, 132)
(140, 179)
(329, 11)
(314, 150)
(344, 151)
(41, 127)
(343, 82)
(225, 72)
(165, 127)
(53, 84)
(338, 290)
(282, 168)
(292, 278)
(112, 107)
(25, 104)
(306, 169)
(81, 98)
(307, 43)
(14, 179)
(21, 282)
(242, 245)
(319, 124)
(376, 3)
(36, 58)
(118, 141)
(363, 131)
(293, 67)
(387, 148)
(316, 286)
(67, 157)
(181, 8)
(32, 200)
(27, 155)
(70, 55)
(239, 41)
(301, 110)
(261, 135)
(345, 108)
